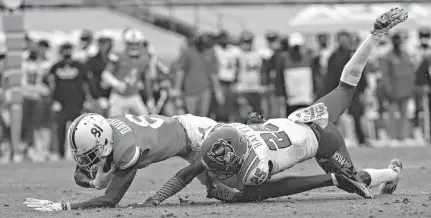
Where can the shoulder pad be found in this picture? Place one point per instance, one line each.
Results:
(129, 158)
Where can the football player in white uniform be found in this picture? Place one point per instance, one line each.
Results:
(253, 153)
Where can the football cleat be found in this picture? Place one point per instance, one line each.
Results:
(388, 188)
(388, 20)
(353, 186)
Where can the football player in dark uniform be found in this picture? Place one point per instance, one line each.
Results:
(109, 152)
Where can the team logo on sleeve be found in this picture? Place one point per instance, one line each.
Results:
(223, 153)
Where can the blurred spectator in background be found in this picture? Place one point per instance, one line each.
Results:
(160, 76)
(69, 77)
(250, 84)
(44, 47)
(381, 125)
(36, 106)
(357, 104)
(422, 58)
(398, 80)
(85, 46)
(270, 103)
(128, 74)
(273, 74)
(27, 40)
(337, 60)
(97, 64)
(196, 77)
(423, 83)
(298, 75)
(228, 57)
(320, 64)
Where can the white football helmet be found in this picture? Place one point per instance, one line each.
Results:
(134, 39)
(90, 140)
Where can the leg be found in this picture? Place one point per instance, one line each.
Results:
(191, 104)
(333, 157)
(405, 122)
(356, 111)
(205, 103)
(223, 111)
(61, 130)
(393, 124)
(293, 185)
(338, 100)
(116, 104)
(386, 178)
(136, 104)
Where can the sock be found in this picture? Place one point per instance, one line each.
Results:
(352, 72)
(379, 176)
(349, 78)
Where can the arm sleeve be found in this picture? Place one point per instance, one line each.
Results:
(179, 181)
(114, 192)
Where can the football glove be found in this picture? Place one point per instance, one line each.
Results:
(102, 179)
(46, 205)
(388, 20)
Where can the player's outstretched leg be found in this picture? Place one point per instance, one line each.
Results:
(338, 100)
(333, 157)
(386, 178)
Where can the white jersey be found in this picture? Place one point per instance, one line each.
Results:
(227, 58)
(249, 77)
(195, 127)
(282, 142)
(295, 143)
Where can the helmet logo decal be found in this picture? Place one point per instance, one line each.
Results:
(223, 153)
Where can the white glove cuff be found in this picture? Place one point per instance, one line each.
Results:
(334, 180)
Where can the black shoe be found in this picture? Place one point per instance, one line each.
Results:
(352, 186)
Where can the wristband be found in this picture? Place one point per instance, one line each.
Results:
(334, 179)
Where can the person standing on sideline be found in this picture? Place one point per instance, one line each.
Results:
(196, 77)
(398, 77)
(70, 87)
(228, 57)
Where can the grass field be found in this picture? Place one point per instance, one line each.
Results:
(54, 181)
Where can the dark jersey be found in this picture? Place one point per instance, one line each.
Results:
(69, 79)
(129, 69)
(157, 136)
(138, 142)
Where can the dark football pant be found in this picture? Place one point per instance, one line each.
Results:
(68, 113)
(332, 155)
